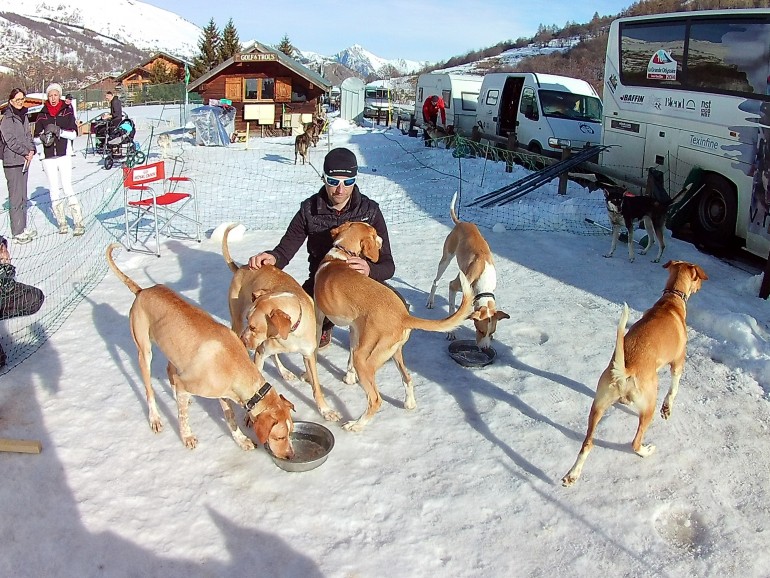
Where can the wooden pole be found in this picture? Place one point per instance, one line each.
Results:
(565, 154)
(20, 446)
(511, 147)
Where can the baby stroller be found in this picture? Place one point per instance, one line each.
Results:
(119, 145)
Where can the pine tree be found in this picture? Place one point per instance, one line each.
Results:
(208, 45)
(160, 73)
(231, 44)
(286, 47)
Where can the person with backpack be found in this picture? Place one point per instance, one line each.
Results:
(56, 125)
(16, 151)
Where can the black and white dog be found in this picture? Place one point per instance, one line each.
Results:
(624, 208)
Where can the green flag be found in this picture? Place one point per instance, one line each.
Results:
(186, 74)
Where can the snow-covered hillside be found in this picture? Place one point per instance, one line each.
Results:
(127, 21)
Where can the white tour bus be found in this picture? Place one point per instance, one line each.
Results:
(688, 94)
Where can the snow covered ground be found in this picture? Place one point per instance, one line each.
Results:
(465, 485)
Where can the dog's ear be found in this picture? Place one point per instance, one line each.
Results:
(370, 247)
(257, 294)
(278, 323)
(263, 425)
(501, 315)
(700, 272)
(337, 231)
(669, 264)
(286, 403)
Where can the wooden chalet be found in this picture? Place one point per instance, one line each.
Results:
(267, 89)
(133, 80)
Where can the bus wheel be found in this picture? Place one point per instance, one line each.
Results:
(534, 147)
(716, 212)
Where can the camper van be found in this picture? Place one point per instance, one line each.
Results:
(546, 112)
(460, 93)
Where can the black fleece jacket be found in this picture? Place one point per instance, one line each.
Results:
(314, 222)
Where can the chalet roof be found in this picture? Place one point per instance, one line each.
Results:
(145, 65)
(289, 63)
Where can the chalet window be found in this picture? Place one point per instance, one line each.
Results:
(298, 93)
(259, 89)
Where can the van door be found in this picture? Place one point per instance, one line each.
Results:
(509, 106)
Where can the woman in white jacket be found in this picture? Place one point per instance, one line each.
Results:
(55, 125)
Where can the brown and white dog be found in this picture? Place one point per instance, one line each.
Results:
(659, 338)
(301, 144)
(379, 322)
(205, 358)
(474, 258)
(272, 314)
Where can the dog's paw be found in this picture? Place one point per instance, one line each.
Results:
(288, 376)
(665, 411)
(156, 425)
(451, 336)
(190, 442)
(568, 480)
(608, 256)
(245, 444)
(645, 450)
(330, 414)
(353, 426)
(351, 378)
(429, 304)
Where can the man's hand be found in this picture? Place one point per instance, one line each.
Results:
(5, 256)
(256, 261)
(359, 264)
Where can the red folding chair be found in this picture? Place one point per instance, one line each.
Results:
(153, 202)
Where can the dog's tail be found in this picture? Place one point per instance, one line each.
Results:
(452, 209)
(619, 358)
(449, 323)
(226, 252)
(135, 289)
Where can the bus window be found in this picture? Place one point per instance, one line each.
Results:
(652, 54)
(716, 56)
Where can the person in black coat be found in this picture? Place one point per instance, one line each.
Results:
(16, 152)
(16, 299)
(338, 201)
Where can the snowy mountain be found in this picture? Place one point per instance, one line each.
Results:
(124, 21)
(81, 40)
(359, 60)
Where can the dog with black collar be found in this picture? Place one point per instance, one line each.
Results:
(272, 314)
(206, 359)
(474, 258)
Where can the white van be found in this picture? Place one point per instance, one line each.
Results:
(547, 112)
(460, 93)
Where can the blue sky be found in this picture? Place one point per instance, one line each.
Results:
(423, 30)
